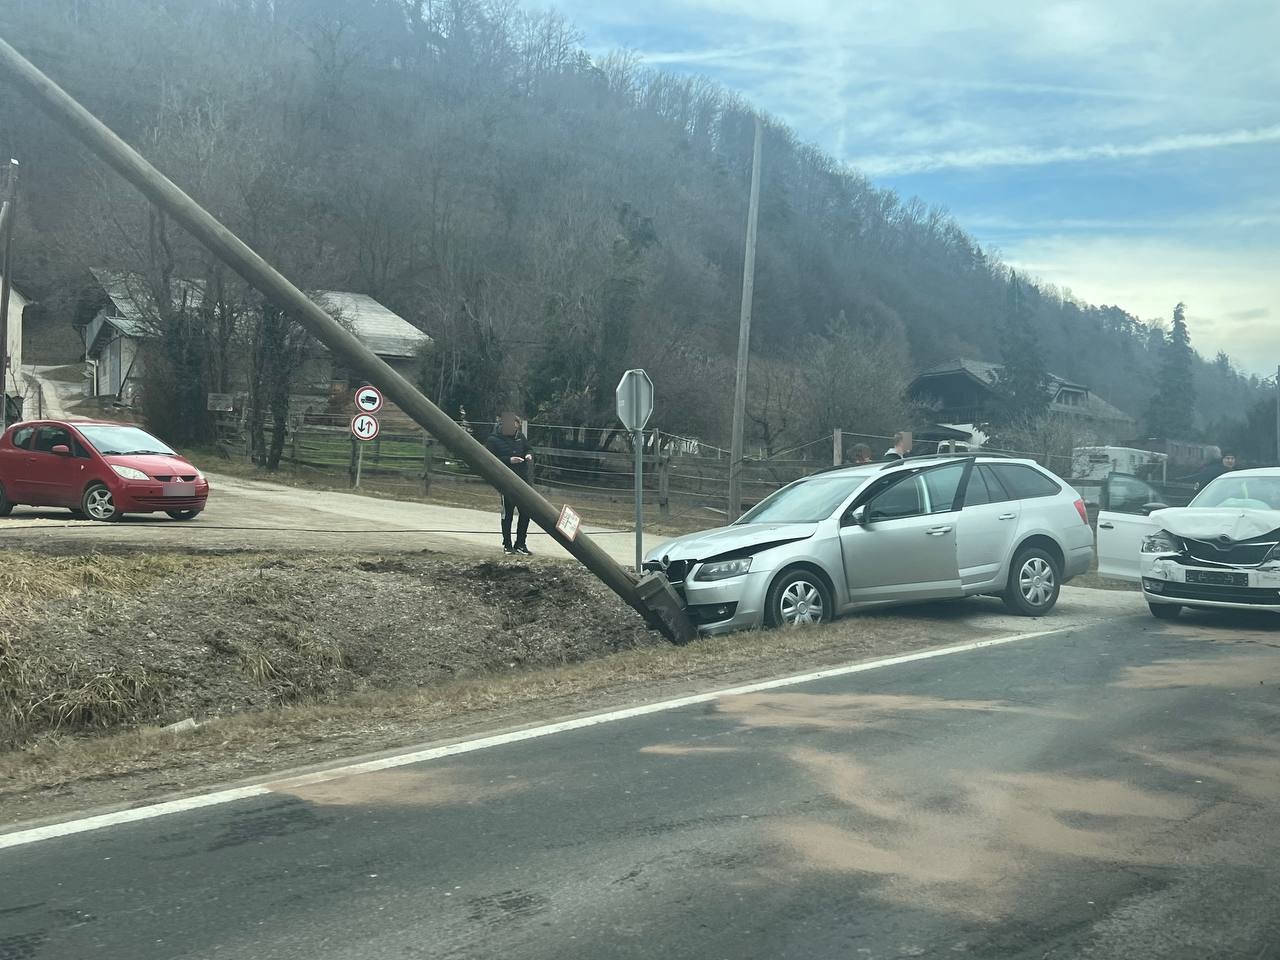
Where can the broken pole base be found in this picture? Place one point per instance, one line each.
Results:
(665, 610)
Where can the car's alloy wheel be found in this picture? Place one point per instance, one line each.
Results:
(797, 599)
(1034, 583)
(99, 504)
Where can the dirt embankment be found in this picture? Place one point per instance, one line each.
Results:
(105, 641)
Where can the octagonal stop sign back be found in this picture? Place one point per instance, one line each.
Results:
(635, 399)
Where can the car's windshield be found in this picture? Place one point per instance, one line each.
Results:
(1241, 492)
(805, 502)
(109, 439)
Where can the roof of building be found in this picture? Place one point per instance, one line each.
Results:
(385, 333)
(988, 374)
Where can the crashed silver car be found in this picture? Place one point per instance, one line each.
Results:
(1221, 550)
(868, 536)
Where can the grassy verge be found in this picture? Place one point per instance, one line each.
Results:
(232, 641)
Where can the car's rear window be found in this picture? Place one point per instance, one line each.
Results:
(1023, 482)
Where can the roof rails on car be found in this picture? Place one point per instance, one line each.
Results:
(967, 455)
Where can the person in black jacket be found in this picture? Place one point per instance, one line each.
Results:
(510, 446)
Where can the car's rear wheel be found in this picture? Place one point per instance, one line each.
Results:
(99, 504)
(6, 505)
(1034, 583)
(797, 598)
(1165, 611)
(182, 514)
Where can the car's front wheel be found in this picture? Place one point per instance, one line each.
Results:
(99, 504)
(1034, 583)
(1165, 611)
(182, 514)
(796, 598)
(6, 505)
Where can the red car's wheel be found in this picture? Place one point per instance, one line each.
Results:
(99, 504)
(183, 514)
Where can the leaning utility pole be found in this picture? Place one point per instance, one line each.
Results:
(652, 597)
(1278, 416)
(8, 217)
(744, 337)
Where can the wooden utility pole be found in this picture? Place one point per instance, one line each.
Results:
(8, 217)
(1278, 416)
(744, 336)
(652, 596)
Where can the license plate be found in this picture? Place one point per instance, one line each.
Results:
(179, 489)
(1219, 577)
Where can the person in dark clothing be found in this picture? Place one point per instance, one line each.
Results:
(510, 446)
(1212, 471)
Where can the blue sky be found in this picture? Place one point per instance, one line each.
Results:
(1125, 150)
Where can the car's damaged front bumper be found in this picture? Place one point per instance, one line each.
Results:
(719, 606)
(1180, 579)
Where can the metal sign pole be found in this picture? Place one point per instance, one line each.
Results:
(638, 437)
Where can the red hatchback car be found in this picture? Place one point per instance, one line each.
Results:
(97, 469)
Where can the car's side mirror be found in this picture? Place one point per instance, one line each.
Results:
(1150, 508)
(61, 450)
(857, 517)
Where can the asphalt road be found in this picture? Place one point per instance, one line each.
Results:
(1110, 791)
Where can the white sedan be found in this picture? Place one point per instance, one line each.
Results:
(1222, 550)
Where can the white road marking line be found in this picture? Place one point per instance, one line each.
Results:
(36, 834)
(67, 828)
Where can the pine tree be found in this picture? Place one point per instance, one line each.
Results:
(1171, 414)
(1023, 381)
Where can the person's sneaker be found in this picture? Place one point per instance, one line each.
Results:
(508, 550)
(522, 549)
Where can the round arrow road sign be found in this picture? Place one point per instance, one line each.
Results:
(368, 399)
(364, 427)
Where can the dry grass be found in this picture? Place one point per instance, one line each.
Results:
(39, 694)
(382, 719)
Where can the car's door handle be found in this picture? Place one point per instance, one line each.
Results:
(1106, 525)
(1007, 516)
(938, 531)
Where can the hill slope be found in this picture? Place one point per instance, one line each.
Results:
(550, 219)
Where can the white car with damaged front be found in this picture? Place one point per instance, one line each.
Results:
(1220, 551)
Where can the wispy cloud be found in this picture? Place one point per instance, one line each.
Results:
(1016, 155)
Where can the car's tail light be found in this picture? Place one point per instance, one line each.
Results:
(1082, 510)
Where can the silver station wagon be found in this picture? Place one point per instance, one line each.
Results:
(868, 536)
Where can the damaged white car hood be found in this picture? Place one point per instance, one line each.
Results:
(1215, 523)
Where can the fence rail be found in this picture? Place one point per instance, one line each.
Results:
(587, 463)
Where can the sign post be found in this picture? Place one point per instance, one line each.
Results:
(364, 425)
(635, 406)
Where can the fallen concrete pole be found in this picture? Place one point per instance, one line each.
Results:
(656, 602)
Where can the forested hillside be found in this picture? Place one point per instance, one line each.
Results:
(549, 218)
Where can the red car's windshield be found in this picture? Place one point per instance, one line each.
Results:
(112, 439)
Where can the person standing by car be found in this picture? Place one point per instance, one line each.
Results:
(901, 448)
(861, 454)
(1212, 471)
(510, 445)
